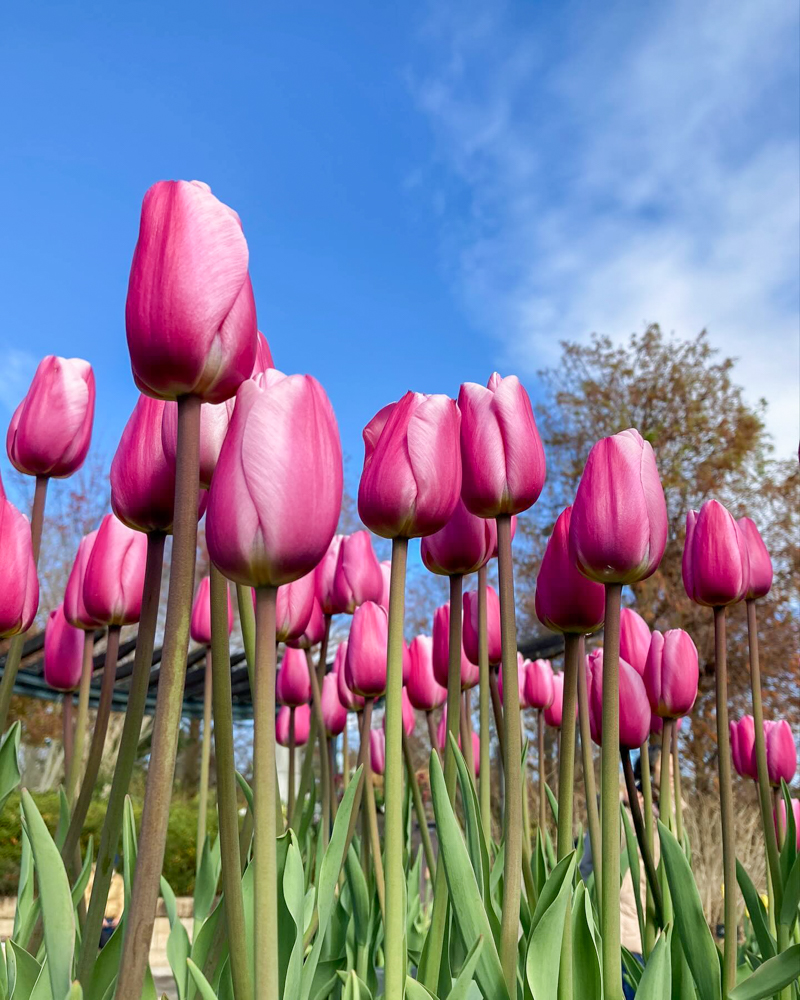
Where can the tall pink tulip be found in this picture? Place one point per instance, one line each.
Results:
(200, 626)
(293, 685)
(365, 665)
(470, 626)
(275, 500)
(302, 725)
(51, 429)
(74, 608)
(760, 576)
(314, 631)
(554, 711)
(634, 707)
(114, 577)
(781, 752)
(352, 702)
(325, 574)
(634, 639)
(716, 564)
(63, 652)
(377, 750)
(358, 577)
(743, 737)
(671, 673)
(190, 314)
(294, 607)
(441, 651)
(539, 690)
(566, 601)
(19, 589)
(780, 818)
(462, 546)
(214, 420)
(424, 691)
(501, 451)
(334, 713)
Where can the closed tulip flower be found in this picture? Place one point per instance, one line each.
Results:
(63, 652)
(19, 590)
(365, 666)
(74, 609)
(671, 673)
(214, 420)
(539, 691)
(293, 685)
(553, 714)
(501, 451)
(441, 651)
(743, 742)
(760, 577)
(334, 713)
(634, 707)
(424, 691)
(302, 725)
(462, 546)
(200, 627)
(470, 626)
(190, 314)
(781, 752)
(277, 494)
(411, 479)
(114, 578)
(314, 631)
(780, 818)
(358, 577)
(634, 639)
(352, 702)
(566, 601)
(325, 574)
(716, 566)
(294, 607)
(51, 429)
(377, 751)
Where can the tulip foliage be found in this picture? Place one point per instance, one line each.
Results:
(338, 888)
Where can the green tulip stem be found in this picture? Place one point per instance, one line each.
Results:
(676, 777)
(540, 761)
(205, 759)
(326, 779)
(71, 782)
(497, 710)
(566, 761)
(485, 782)
(589, 785)
(345, 758)
(292, 752)
(466, 735)
(431, 723)
(247, 623)
(649, 830)
(641, 836)
(664, 787)
(419, 808)
(330, 753)
(67, 733)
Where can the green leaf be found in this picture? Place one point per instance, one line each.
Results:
(463, 984)
(83, 878)
(9, 762)
(42, 989)
(24, 915)
(247, 791)
(58, 917)
(633, 864)
(758, 915)
(63, 818)
(203, 985)
(789, 849)
(553, 802)
(178, 947)
(358, 894)
(293, 895)
(416, 991)
(23, 971)
(472, 825)
(791, 895)
(205, 886)
(354, 988)
(464, 894)
(586, 978)
(128, 848)
(698, 945)
(76, 992)
(547, 931)
(656, 981)
(106, 966)
(771, 977)
(632, 967)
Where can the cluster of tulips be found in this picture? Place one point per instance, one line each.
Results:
(283, 906)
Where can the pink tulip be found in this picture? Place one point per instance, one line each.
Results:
(51, 429)
(293, 685)
(462, 546)
(743, 746)
(780, 818)
(409, 715)
(760, 579)
(324, 576)
(781, 752)
(358, 576)
(302, 725)
(716, 566)
(618, 529)
(114, 577)
(539, 691)
(314, 630)
(263, 356)
(634, 639)
(377, 751)
(200, 627)
(19, 590)
(351, 701)
(501, 451)
(565, 600)
(441, 651)
(513, 527)
(334, 714)
(365, 666)
(424, 691)
(276, 497)
(476, 752)
(554, 712)
(671, 673)
(74, 609)
(411, 479)
(190, 314)
(294, 607)
(386, 573)
(634, 708)
(214, 420)
(406, 660)
(470, 626)
(63, 652)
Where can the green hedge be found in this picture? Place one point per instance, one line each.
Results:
(179, 858)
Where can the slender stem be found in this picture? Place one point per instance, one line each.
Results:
(292, 749)
(205, 759)
(419, 808)
(67, 732)
(82, 716)
(345, 759)
(780, 831)
(129, 743)
(306, 780)
(665, 787)
(484, 695)
(14, 653)
(566, 766)
(265, 788)
(169, 702)
(726, 804)
(362, 759)
(649, 829)
(609, 799)
(432, 733)
(526, 816)
(324, 756)
(592, 814)
(540, 762)
(641, 835)
(374, 839)
(466, 736)
(227, 804)
(497, 709)
(247, 622)
(676, 776)
(331, 753)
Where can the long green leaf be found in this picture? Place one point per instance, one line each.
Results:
(416, 991)
(206, 990)
(23, 971)
(24, 915)
(293, 893)
(463, 983)
(656, 981)
(758, 915)
(587, 981)
(791, 895)
(178, 947)
(633, 864)
(9, 762)
(771, 977)
(543, 959)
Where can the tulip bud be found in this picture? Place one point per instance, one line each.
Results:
(334, 714)
(501, 451)
(214, 420)
(671, 673)
(780, 818)
(200, 627)
(293, 685)
(462, 546)
(377, 751)
(293, 608)
(554, 712)
(276, 497)
(716, 566)
(314, 631)
(565, 600)
(781, 752)
(51, 429)
(618, 529)
(114, 577)
(441, 652)
(386, 573)
(634, 708)
(358, 576)
(470, 625)
(324, 576)
(190, 314)
(74, 609)
(424, 691)
(302, 725)
(743, 746)
(760, 577)
(19, 590)
(409, 716)
(539, 691)
(351, 701)
(365, 666)
(411, 479)
(63, 652)
(634, 639)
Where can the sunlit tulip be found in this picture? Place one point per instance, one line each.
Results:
(352, 702)
(780, 818)
(760, 564)
(74, 609)
(424, 691)
(277, 492)
(441, 651)
(462, 546)
(51, 429)
(634, 707)
(743, 741)
(200, 626)
(334, 714)
(618, 529)
(365, 665)
(565, 600)
(634, 639)
(470, 626)
(411, 479)
(293, 685)
(377, 751)
(324, 576)
(539, 691)
(671, 673)
(63, 652)
(358, 576)
(19, 586)
(781, 752)
(501, 451)
(114, 577)
(554, 712)
(314, 630)
(214, 420)
(293, 608)
(716, 564)
(302, 725)
(190, 314)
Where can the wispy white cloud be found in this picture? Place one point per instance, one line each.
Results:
(608, 166)
(17, 366)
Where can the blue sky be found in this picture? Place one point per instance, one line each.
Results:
(429, 190)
